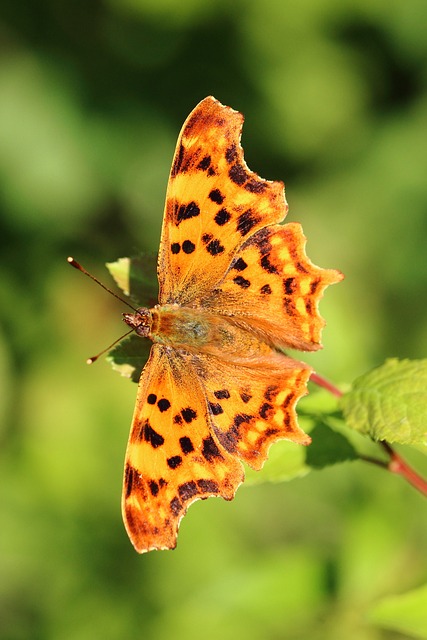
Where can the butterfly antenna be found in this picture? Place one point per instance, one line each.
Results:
(95, 358)
(79, 267)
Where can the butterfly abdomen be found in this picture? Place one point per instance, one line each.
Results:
(203, 332)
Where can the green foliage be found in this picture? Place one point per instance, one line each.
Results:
(390, 402)
(136, 278)
(406, 613)
(130, 356)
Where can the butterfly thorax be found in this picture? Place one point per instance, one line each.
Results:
(197, 330)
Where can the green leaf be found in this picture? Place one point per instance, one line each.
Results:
(330, 442)
(120, 272)
(406, 613)
(130, 356)
(390, 402)
(328, 447)
(136, 277)
(318, 402)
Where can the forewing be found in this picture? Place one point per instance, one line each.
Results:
(172, 457)
(213, 203)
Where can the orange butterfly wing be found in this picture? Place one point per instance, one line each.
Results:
(272, 285)
(172, 458)
(213, 203)
(253, 405)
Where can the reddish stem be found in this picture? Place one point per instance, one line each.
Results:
(396, 464)
(322, 382)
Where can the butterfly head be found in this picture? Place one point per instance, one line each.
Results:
(140, 322)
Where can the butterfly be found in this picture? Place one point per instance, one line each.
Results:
(235, 289)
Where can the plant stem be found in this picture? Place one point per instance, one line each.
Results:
(396, 464)
(322, 382)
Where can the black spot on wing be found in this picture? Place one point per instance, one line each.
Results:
(208, 486)
(231, 154)
(175, 247)
(287, 422)
(242, 282)
(240, 265)
(266, 289)
(222, 217)
(289, 306)
(222, 394)
(228, 439)
(238, 174)
(174, 462)
(313, 286)
(265, 410)
(151, 398)
(216, 196)
(188, 414)
(132, 480)
(138, 435)
(246, 221)
(267, 265)
(301, 267)
(188, 246)
(216, 408)
(151, 436)
(187, 490)
(154, 487)
(163, 404)
(187, 211)
(175, 506)
(269, 432)
(289, 285)
(207, 237)
(286, 402)
(210, 450)
(271, 392)
(215, 247)
(205, 163)
(245, 395)
(240, 418)
(255, 186)
(186, 445)
(177, 164)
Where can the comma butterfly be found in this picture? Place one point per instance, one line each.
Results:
(235, 289)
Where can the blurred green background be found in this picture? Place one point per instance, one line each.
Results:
(92, 97)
